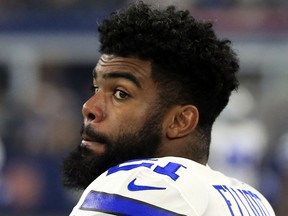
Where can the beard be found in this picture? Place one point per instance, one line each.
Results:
(83, 166)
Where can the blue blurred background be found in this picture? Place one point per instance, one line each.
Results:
(47, 52)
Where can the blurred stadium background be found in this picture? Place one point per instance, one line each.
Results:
(48, 49)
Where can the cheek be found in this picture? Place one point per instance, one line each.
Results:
(126, 120)
(131, 114)
(132, 122)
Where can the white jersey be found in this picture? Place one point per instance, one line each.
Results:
(169, 186)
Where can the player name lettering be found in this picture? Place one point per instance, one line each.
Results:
(241, 201)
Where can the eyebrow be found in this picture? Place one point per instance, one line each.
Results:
(117, 75)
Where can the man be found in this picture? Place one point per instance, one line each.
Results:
(160, 83)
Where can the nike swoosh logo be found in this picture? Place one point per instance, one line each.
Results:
(133, 187)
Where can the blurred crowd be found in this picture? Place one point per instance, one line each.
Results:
(36, 134)
(35, 138)
(78, 4)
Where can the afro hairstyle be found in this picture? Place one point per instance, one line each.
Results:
(190, 65)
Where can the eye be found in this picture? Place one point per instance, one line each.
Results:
(120, 95)
(95, 88)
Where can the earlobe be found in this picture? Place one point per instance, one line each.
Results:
(184, 121)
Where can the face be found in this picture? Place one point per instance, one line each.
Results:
(122, 120)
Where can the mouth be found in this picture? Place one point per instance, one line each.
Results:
(92, 144)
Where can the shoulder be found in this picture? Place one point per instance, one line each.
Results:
(171, 185)
(157, 186)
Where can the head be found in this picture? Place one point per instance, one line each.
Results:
(162, 80)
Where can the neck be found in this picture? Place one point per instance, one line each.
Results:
(185, 148)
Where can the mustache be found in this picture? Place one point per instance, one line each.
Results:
(93, 135)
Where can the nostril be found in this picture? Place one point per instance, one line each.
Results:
(91, 116)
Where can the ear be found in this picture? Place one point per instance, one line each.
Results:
(183, 120)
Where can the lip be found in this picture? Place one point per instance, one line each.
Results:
(92, 144)
(87, 138)
(86, 143)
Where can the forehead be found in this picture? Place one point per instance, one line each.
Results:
(114, 64)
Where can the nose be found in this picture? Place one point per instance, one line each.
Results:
(93, 110)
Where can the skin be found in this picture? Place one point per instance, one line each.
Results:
(124, 93)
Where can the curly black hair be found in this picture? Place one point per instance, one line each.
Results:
(189, 63)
